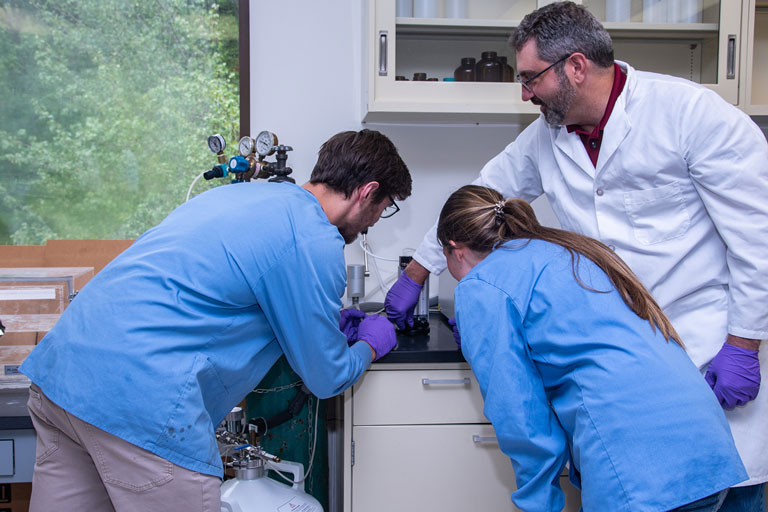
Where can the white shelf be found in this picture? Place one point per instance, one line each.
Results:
(502, 28)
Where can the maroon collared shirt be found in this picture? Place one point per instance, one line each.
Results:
(593, 140)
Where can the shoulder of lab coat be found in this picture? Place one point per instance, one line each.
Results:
(727, 158)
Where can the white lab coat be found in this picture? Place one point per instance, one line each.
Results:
(680, 192)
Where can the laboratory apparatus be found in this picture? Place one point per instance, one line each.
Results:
(421, 310)
(355, 284)
(251, 490)
(250, 163)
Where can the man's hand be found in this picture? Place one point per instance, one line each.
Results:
(734, 374)
(349, 322)
(404, 294)
(379, 333)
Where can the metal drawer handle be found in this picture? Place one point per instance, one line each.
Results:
(480, 439)
(428, 382)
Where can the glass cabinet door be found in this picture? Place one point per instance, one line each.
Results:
(412, 58)
(755, 97)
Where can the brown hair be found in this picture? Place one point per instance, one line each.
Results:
(482, 219)
(349, 160)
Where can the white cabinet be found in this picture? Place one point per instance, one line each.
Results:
(705, 51)
(754, 98)
(416, 439)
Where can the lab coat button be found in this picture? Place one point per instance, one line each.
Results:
(612, 247)
(599, 192)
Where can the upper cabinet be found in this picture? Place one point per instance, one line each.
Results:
(407, 39)
(754, 97)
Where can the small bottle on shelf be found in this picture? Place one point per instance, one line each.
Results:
(466, 71)
(488, 68)
(507, 73)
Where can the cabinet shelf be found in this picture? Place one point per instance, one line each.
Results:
(502, 28)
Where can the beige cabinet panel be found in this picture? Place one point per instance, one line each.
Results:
(417, 397)
(429, 467)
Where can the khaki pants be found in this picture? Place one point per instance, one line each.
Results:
(79, 467)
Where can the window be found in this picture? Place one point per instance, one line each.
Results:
(106, 107)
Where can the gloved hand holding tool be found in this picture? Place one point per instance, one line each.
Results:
(401, 299)
(734, 375)
(379, 333)
(349, 323)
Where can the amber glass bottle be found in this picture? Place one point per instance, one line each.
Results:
(507, 72)
(466, 71)
(488, 68)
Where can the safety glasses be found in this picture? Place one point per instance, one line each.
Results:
(527, 83)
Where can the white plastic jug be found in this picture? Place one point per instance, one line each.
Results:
(252, 491)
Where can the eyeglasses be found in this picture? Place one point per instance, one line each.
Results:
(526, 83)
(390, 210)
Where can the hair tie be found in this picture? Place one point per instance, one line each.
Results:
(498, 209)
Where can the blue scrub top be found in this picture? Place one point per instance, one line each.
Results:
(568, 373)
(162, 343)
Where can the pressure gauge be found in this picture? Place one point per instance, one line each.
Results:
(246, 146)
(265, 143)
(216, 143)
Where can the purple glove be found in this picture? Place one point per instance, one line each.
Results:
(456, 335)
(379, 333)
(734, 376)
(401, 299)
(349, 321)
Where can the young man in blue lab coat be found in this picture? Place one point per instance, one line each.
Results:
(668, 175)
(130, 384)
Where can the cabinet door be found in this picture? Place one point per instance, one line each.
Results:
(755, 97)
(700, 45)
(450, 468)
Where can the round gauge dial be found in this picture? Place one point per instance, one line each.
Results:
(216, 143)
(265, 142)
(246, 146)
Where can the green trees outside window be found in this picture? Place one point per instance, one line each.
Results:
(105, 107)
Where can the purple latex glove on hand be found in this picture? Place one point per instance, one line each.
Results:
(456, 335)
(349, 322)
(401, 299)
(379, 333)
(734, 376)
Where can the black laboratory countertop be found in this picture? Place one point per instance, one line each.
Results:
(436, 347)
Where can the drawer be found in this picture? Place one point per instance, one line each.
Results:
(450, 468)
(415, 397)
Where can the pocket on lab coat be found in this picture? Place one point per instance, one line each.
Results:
(657, 214)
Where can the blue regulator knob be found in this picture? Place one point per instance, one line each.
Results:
(238, 164)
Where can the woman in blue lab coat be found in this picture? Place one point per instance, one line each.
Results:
(576, 362)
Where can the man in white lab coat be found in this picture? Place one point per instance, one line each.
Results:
(667, 174)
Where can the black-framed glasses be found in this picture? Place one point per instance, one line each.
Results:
(390, 210)
(525, 83)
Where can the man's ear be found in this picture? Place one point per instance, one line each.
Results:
(579, 64)
(368, 190)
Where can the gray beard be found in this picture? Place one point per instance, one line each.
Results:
(559, 106)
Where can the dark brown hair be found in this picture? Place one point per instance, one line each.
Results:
(470, 217)
(349, 160)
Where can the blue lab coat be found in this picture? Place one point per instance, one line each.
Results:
(568, 373)
(162, 343)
